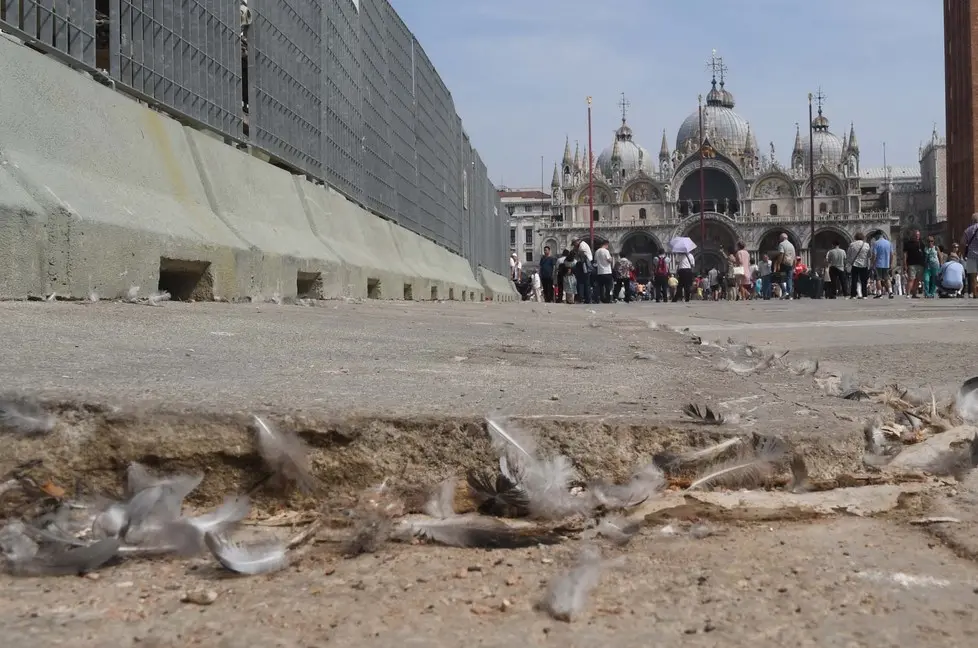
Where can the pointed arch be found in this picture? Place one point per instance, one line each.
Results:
(642, 189)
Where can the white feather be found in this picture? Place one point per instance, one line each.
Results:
(247, 559)
(441, 504)
(568, 593)
(285, 454)
(25, 418)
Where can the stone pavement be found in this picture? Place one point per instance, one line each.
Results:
(457, 358)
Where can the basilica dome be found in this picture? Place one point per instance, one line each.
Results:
(633, 157)
(827, 145)
(726, 130)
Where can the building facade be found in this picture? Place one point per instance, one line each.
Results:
(749, 195)
(528, 211)
(961, 85)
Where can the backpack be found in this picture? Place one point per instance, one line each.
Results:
(662, 267)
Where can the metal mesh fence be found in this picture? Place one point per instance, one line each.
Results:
(182, 54)
(63, 26)
(339, 90)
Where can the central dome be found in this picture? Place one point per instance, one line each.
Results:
(828, 146)
(633, 157)
(726, 130)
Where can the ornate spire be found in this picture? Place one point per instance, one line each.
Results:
(616, 150)
(568, 160)
(821, 122)
(797, 149)
(750, 146)
(577, 155)
(853, 144)
(624, 105)
(718, 96)
(555, 182)
(664, 148)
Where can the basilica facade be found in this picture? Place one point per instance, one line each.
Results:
(716, 187)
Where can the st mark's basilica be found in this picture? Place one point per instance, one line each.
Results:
(750, 196)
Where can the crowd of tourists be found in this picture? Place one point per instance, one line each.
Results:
(864, 269)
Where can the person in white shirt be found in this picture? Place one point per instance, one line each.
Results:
(785, 264)
(685, 276)
(857, 260)
(582, 270)
(515, 268)
(603, 263)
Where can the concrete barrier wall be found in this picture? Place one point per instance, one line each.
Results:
(99, 193)
(498, 287)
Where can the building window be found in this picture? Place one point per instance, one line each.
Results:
(528, 237)
(596, 215)
(512, 237)
(773, 210)
(465, 189)
(528, 208)
(511, 209)
(835, 206)
(529, 256)
(823, 208)
(642, 213)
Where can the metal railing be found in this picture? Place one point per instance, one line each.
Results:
(338, 90)
(752, 219)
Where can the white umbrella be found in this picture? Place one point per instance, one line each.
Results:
(681, 245)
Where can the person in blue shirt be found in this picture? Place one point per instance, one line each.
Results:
(882, 257)
(951, 277)
(548, 264)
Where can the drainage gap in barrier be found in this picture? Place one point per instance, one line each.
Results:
(408, 292)
(451, 294)
(373, 288)
(186, 280)
(471, 296)
(309, 285)
(434, 293)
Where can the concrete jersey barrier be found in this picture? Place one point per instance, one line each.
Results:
(99, 194)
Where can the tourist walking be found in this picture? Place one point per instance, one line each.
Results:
(857, 259)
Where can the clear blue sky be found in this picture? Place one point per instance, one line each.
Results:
(519, 70)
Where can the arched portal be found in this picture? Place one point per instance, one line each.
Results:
(825, 239)
(719, 192)
(640, 248)
(769, 242)
(877, 233)
(712, 249)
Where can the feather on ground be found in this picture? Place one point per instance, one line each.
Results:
(248, 559)
(568, 593)
(286, 455)
(25, 417)
(752, 467)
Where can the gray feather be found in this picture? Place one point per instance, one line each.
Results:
(247, 559)
(475, 531)
(65, 562)
(286, 455)
(25, 417)
(752, 467)
(441, 504)
(568, 593)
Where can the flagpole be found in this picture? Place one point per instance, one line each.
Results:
(699, 101)
(590, 173)
(811, 176)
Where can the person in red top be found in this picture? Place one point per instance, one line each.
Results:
(799, 269)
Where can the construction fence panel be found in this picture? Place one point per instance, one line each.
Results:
(285, 54)
(340, 90)
(65, 26)
(379, 192)
(400, 79)
(342, 114)
(183, 54)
